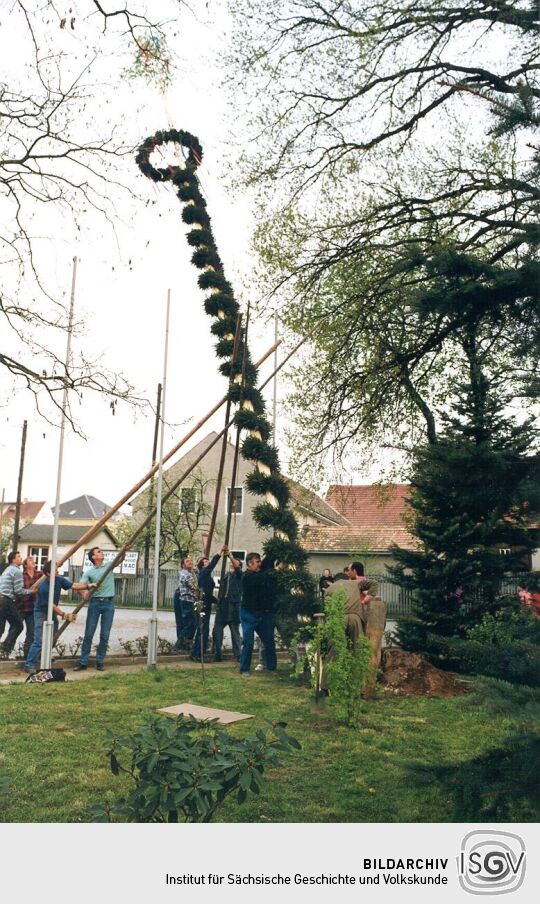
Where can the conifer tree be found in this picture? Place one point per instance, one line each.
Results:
(471, 496)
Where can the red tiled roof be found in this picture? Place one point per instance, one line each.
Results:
(354, 540)
(371, 505)
(308, 499)
(29, 510)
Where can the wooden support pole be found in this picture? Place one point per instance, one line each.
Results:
(19, 489)
(234, 469)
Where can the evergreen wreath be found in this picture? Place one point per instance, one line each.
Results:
(266, 479)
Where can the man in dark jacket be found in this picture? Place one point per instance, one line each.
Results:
(228, 611)
(206, 589)
(259, 594)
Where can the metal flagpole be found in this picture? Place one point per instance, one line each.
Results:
(153, 620)
(48, 626)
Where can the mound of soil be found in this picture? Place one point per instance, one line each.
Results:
(409, 673)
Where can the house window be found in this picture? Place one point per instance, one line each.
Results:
(505, 551)
(40, 554)
(188, 500)
(237, 500)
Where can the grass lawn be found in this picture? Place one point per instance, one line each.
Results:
(52, 743)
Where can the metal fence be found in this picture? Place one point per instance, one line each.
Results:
(136, 590)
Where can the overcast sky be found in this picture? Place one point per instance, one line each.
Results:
(121, 294)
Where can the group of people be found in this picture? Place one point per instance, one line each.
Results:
(249, 599)
(246, 598)
(24, 602)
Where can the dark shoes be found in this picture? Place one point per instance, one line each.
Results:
(80, 667)
(100, 667)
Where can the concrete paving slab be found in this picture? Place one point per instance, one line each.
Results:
(224, 716)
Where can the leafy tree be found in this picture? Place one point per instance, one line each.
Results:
(366, 206)
(184, 518)
(61, 163)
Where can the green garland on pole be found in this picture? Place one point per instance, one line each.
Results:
(266, 479)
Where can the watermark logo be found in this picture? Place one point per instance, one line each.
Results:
(491, 862)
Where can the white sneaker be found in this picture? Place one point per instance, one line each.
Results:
(259, 668)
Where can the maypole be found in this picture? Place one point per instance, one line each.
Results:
(273, 512)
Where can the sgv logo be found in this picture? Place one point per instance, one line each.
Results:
(491, 863)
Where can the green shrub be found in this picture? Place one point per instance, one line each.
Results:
(532, 582)
(183, 769)
(347, 669)
(514, 661)
(506, 625)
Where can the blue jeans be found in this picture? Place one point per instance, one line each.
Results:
(186, 621)
(98, 607)
(40, 615)
(263, 624)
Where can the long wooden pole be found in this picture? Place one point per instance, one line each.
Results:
(19, 489)
(119, 556)
(219, 481)
(232, 497)
(104, 518)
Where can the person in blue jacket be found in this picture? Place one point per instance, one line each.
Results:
(40, 611)
(206, 589)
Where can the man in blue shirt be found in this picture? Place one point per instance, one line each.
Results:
(40, 611)
(101, 606)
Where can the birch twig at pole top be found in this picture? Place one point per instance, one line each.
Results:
(144, 524)
(92, 531)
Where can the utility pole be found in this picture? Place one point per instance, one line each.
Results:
(151, 488)
(19, 489)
